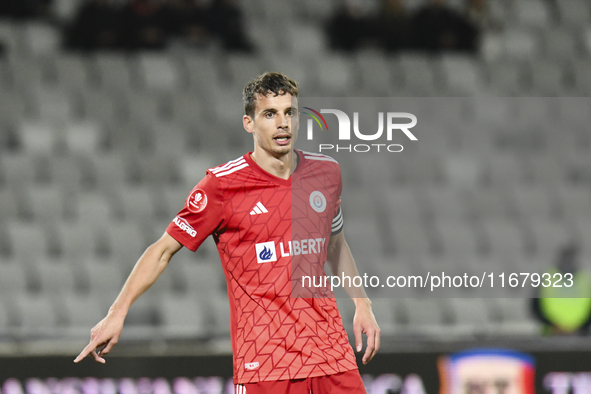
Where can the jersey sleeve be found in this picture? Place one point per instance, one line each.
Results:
(337, 221)
(202, 214)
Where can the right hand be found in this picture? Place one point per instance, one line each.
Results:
(103, 337)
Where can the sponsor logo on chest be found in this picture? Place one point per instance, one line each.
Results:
(267, 251)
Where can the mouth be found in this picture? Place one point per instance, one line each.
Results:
(282, 138)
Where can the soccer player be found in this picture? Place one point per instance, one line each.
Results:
(272, 212)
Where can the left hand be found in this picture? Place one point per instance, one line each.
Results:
(364, 322)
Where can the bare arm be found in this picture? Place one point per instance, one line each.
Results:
(340, 261)
(148, 268)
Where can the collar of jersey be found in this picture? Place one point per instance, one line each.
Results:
(286, 182)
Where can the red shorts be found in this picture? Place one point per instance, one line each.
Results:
(341, 383)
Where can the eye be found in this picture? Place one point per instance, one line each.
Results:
(269, 115)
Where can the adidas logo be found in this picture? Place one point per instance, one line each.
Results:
(258, 209)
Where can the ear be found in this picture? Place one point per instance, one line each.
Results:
(247, 122)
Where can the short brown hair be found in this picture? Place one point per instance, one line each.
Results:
(269, 82)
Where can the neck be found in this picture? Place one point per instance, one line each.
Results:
(281, 167)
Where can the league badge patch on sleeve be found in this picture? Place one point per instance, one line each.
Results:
(196, 201)
(317, 201)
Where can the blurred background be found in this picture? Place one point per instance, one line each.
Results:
(111, 110)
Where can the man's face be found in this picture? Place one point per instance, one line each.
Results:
(275, 123)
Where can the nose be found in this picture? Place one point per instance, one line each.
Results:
(282, 121)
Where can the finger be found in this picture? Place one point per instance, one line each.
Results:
(371, 340)
(358, 337)
(376, 345)
(378, 340)
(108, 347)
(85, 352)
(97, 358)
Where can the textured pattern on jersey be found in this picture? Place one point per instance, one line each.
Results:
(274, 335)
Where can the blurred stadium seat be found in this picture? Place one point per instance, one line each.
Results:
(96, 270)
(515, 317)
(521, 43)
(547, 78)
(471, 315)
(9, 205)
(158, 72)
(375, 74)
(426, 316)
(21, 235)
(384, 308)
(462, 75)
(113, 72)
(46, 202)
(40, 38)
(559, 44)
(82, 137)
(219, 309)
(532, 13)
(56, 278)
(183, 316)
(582, 77)
(335, 74)
(4, 322)
(419, 75)
(72, 71)
(36, 316)
(13, 279)
(573, 12)
(81, 312)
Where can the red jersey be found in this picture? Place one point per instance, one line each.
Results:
(262, 225)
